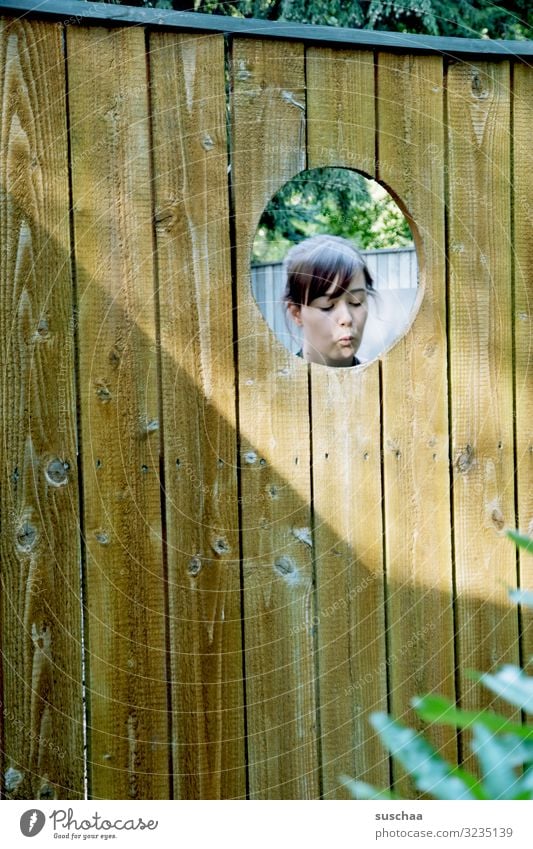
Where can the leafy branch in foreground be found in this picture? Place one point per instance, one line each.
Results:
(501, 747)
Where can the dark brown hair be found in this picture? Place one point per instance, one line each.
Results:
(311, 267)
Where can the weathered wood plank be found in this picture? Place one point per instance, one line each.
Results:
(198, 393)
(481, 369)
(341, 109)
(415, 396)
(40, 608)
(268, 149)
(127, 686)
(523, 318)
(349, 563)
(346, 431)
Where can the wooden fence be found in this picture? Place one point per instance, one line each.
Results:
(217, 560)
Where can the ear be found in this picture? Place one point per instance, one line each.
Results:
(294, 312)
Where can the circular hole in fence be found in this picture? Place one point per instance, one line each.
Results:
(334, 267)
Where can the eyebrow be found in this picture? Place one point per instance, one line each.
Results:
(347, 292)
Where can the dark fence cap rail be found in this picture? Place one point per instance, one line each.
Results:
(74, 12)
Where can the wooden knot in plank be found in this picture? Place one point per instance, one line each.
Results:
(43, 330)
(26, 537)
(166, 216)
(41, 637)
(114, 356)
(284, 566)
(102, 537)
(194, 567)
(220, 546)
(288, 97)
(56, 472)
(478, 88)
(12, 778)
(303, 535)
(496, 517)
(207, 142)
(46, 791)
(465, 460)
(103, 392)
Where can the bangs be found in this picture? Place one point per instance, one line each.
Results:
(320, 279)
(313, 265)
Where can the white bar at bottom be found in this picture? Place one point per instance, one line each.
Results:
(268, 824)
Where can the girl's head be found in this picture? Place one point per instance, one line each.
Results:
(326, 294)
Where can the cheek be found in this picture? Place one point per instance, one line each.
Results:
(314, 321)
(324, 323)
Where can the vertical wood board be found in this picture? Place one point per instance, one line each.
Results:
(40, 613)
(346, 430)
(523, 317)
(268, 149)
(415, 395)
(198, 396)
(126, 652)
(481, 369)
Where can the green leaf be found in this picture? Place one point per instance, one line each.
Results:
(524, 597)
(439, 709)
(513, 685)
(521, 540)
(431, 773)
(362, 790)
(496, 757)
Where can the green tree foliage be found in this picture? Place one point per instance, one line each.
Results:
(329, 200)
(478, 19)
(467, 18)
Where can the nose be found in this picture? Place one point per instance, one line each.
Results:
(344, 315)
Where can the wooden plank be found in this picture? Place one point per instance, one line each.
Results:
(481, 370)
(268, 149)
(349, 557)
(346, 470)
(415, 416)
(341, 121)
(127, 680)
(198, 394)
(523, 318)
(40, 611)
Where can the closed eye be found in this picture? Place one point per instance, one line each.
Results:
(350, 304)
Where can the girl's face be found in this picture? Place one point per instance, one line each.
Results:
(333, 327)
